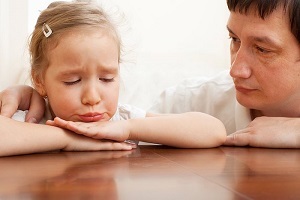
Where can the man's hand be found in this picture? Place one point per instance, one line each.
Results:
(22, 97)
(269, 132)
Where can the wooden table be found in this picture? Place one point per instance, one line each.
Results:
(154, 172)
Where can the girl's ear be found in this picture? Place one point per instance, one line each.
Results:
(38, 84)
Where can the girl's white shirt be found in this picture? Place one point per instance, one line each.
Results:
(124, 112)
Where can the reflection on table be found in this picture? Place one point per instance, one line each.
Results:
(154, 172)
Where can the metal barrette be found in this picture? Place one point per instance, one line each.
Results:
(46, 30)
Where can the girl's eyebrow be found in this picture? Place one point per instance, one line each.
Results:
(69, 72)
(109, 69)
(106, 70)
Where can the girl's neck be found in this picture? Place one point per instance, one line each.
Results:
(255, 113)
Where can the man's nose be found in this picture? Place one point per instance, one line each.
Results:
(240, 64)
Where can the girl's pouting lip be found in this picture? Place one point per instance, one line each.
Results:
(91, 117)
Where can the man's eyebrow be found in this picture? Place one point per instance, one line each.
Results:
(266, 40)
(229, 30)
(261, 39)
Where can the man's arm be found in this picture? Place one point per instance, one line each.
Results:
(269, 132)
(22, 97)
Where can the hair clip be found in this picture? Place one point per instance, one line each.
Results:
(48, 30)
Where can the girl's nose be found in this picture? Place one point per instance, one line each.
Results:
(91, 96)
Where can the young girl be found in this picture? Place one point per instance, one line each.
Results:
(75, 54)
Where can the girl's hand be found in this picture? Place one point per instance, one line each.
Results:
(81, 143)
(117, 130)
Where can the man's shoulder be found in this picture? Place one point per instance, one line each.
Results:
(197, 94)
(221, 79)
(220, 83)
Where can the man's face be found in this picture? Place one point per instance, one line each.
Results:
(265, 63)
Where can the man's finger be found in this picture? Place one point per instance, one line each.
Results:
(237, 139)
(36, 109)
(8, 107)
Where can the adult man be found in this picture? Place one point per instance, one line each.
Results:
(265, 69)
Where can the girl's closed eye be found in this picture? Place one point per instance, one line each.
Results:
(107, 80)
(72, 82)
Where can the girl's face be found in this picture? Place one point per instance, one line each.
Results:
(82, 79)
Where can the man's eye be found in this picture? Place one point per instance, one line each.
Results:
(107, 79)
(72, 82)
(262, 50)
(233, 39)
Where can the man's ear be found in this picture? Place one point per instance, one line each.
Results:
(38, 83)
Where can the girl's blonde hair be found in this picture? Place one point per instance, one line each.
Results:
(62, 17)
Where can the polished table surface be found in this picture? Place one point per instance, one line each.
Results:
(154, 172)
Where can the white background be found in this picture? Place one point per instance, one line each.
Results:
(165, 42)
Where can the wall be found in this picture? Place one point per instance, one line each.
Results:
(13, 40)
(165, 42)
